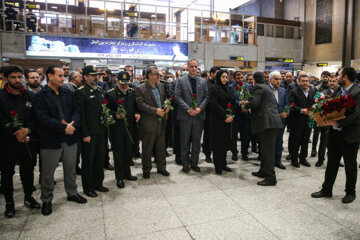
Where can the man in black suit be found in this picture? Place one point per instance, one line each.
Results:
(303, 97)
(265, 123)
(344, 139)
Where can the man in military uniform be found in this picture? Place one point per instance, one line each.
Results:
(121, 134)
(92, 131)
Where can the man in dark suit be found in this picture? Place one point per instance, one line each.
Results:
(282, 102)
(265, 122)
(191, 117)
(303, 97)
(344, 139)
(150, 97)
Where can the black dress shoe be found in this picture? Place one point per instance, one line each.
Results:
(109, 167)
(78, 170)
(313, 153)
(234, 157)
(288, 157)
(319, 163)
(267, 182)
(146, 175)
(46, 208)
(280, 165)
(227, 169)
(305, 163)
(101, 189)
(295, 164)
(245, 158)
(131, 178)
(258, 174)
(77, 198)
(321, 194)
(9, 209)
(195, 168)
(208, 160)
(31, 203)
(348, 198)
(132, 163)
(163, 172)
(120, 183)
(186, 169)
(92, 194)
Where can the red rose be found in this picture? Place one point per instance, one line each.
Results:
(293, 104)
(13, 113)
(309, 108)
(241, 84)
(120, 101)
(237, 88)
(228, 105)
(194, 95)
(104, 101)
(171, 98)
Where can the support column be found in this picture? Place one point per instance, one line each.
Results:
(349, 29)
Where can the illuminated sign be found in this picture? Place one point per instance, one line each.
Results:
(75, 47)
(322, 64)
(12, 4)
(33, 6)
(285, 60)
(236, 58)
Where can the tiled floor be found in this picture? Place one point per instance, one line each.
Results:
(194, 206)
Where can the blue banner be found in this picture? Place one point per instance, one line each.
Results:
(75, 47)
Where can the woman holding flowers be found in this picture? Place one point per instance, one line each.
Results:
(221, 118)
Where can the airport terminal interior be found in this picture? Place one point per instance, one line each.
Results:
(146, 51)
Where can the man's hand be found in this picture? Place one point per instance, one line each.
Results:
(69, 130)
(244, 110)
(87, 139)
(305, 111)
(167, 110)
(21, 135)
(244, 102)
(192, 112)
(197, 110)
(283, 115)
(160, 112)
(229, 119)
(120, 116)
(137, 117)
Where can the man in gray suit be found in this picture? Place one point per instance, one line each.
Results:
(191, 117)
(265, 122)
(74, 81)
(150, 97)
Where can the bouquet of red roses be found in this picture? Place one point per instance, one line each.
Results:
(122, 112)
(193, 101)
(106, 117)
(244, 94)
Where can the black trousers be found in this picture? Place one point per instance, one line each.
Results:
(324, 138)
(267, 142)
(176, 140)
(122, 151)
(206, 138)
(299, 137)
(168, 133)
(93, 155)
(219, 159)
(338, 148)
(136, 148)
(315, 138)
(27, 161)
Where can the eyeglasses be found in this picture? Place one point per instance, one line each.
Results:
(156, 74)
(277, 78)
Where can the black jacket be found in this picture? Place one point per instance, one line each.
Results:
(52, 129)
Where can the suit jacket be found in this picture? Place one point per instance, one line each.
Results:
(147, 106)
(70, 86)
(350, 126)
(297, 96)
(336, 92)
(264, 111)
(283, 101)
(183, 93)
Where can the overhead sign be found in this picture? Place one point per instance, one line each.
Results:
(285, 60)
(322, 64)
(72, 47)
(33, 6)
(236, 58)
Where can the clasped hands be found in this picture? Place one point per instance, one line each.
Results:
(21, 135)
(194, 112)
(161, 112)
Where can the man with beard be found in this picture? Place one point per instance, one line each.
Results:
(17, 143)
(32, 80)
(66, 69)
(344, 138)
(107, 78)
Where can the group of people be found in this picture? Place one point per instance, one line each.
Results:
(63, 115)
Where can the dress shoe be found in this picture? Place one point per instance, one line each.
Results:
(208, 159)
(342, 165)
(131, 178)
(245, 158)
(46, 208)
(78, 170)
(321, 194)
(137, 155)
(92, 194)
(305, 163)
(295, 164)
(313, 153)
(258, 174)
(280, 165)
(234, 157)
(101, 189)
(163, 172)
(288, 157)
(267, 182)
(30, 202)
(186, 169)
(146, 175)
(109, 167)
(227, 169)
(319, 163)
(120, 183)
(195, 168)
(218, 171)
(132, 163)
(77, 198)
(348, 198)
(9, 209)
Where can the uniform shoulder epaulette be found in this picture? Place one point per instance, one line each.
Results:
(131, 89)
(81, 87)
(111, 90)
